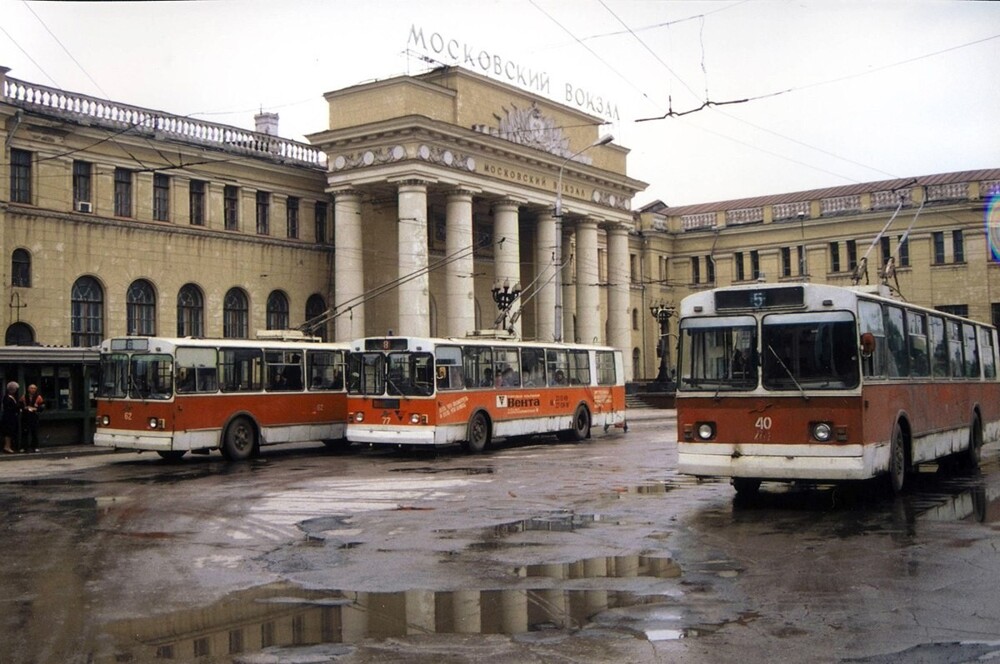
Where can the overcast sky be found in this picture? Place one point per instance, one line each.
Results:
(837, 92)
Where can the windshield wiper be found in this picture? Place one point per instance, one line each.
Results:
(789, 372)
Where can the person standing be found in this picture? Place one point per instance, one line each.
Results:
(8, 417)
(32, 403)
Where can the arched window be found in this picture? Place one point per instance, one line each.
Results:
(20, 334)
(236, 315)
(636, 364)
(140, 308)
(190, 312)
(277, 311)
(86, 315)
(316, 307)
(20, 268)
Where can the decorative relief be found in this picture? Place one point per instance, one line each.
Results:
(609, 199)
(446, 157)
(532, 128)
(383, 155)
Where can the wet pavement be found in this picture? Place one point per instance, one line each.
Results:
(538, 551)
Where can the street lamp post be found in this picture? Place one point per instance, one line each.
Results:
(504, 297)
(662, 314)
(558, 329)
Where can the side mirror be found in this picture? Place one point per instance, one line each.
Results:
(867, 344)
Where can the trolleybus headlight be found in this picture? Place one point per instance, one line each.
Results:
(105, 421)
(415, 418)
(706, 431)
(359, 416)
(155, 423)
(822, 431)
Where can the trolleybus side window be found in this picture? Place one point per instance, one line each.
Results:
(916, 325)
(366, 373)
(284, 370)
(114, 376)
(956, 368)
(241, 369)
(508, 367)
(939, 347)
(971, 350)
(151, 377)
(605, 367)
(871, 323)
(897, 357)
(448, 364)
(558, 366)
(533, 366)
(196, 370)
(988, 352)
(478, 364)
(579, 367)
(326, 369)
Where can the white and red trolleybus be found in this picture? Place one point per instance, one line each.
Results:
(172, 396)
(815, 382)
(426, 392)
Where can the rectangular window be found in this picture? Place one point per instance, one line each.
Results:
(263, 213)
(988, 352)
(20, 176)
(904, 251)
(916, 327)
(883, 243)
(955, 365)
(801, 251)
(738, 271)
(899, 357)
(852, 254)
(322, 211)
(995, 314)
(605, 367)
(956, 309)
(834, 257)
(292, 217)
(786, 262)
(161, 197)
(197, 202)
(633, 273)
(602, 266)
(710, 269)
(81, 183)
(695, 270)
(938, 238)
(231, 207)
(663, 269)
(971, 350)
(957, 247)
(123, 192)
(241, 370)
(755, 265)
(870, 321)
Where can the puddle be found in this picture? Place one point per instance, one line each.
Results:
(430, 470)
(604, 591)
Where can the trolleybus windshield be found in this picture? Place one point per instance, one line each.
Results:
(810, 351)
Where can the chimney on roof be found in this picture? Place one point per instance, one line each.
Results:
(267, 123)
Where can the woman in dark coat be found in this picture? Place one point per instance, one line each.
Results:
(8, 418)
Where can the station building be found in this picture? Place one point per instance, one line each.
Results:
(424, 199)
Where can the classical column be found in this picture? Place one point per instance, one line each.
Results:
(460, 303)
(568, 285)
(506, 249)
(349, 282)
(413, 291)
(545, 269)
(619, 278)
(588, 294)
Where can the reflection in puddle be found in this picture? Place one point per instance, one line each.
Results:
(283, 615)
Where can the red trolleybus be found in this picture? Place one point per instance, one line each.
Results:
(815, 382)
(178, 395)
(430, 392)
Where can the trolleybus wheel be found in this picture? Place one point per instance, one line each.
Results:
(172, 455)
(581, 424)
(479, 433)
(240, 440)
(897, 460)
(975, 452)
